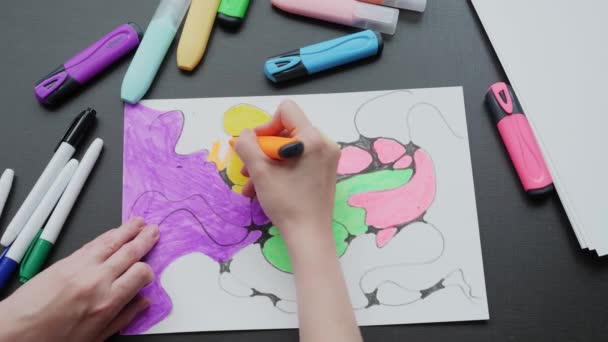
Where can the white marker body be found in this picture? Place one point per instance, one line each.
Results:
(6, 182)
(42, 212)
(62, 211)
(50, 173)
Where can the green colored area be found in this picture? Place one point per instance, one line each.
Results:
(275, 249)
(354, 218)
(234, 8)
(347, 220)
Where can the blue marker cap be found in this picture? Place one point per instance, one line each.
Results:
(7, 268)
(327, 55)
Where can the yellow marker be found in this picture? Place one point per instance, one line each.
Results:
(196, 32)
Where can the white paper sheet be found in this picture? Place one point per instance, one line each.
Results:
(555, 54)
(431, 271)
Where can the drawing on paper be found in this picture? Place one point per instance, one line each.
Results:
(384, 189)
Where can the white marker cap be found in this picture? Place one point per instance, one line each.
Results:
(172, 12)
(377, 18)
(412, 5)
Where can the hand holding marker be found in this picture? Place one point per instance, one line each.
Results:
(163, 27)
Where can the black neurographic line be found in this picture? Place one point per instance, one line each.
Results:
(221, 286)
(191, 213)
(253, 293)
(469, 295)
(209, 206)
(409, 92)
(205, 228)
(437, 111)
(428, 262)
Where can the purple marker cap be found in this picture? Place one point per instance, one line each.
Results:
(76, 72)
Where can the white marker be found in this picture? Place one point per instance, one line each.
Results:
(43, 246)
(17, 250)
(6, 181)
(80, 126)
(55, 224)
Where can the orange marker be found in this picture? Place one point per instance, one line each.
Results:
(278, 148)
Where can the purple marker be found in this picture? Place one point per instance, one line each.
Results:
(76, 72)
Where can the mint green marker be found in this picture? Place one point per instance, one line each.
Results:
(231, 13)
(40, 249)
(153, 49)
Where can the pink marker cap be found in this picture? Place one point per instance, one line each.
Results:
(347, 12)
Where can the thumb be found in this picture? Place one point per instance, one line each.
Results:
(249, 151)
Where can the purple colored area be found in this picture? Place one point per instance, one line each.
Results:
(185, 195)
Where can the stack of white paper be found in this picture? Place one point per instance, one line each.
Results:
(556, 57)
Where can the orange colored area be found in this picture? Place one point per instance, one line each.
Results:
(214, 156)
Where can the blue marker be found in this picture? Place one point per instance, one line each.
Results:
(319, 57)
(153, 48)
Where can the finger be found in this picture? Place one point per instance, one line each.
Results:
(132, 252)
(126, 315)
(249, 190)
(126, 287)
(312, 139)
(111, 241)
(245, 172)
(249, 150)
(289, 116)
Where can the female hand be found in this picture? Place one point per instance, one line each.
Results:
(298, 192)
(298, 196)
(87, 296)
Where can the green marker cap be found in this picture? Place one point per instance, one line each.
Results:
(35, 258)
(232, 12)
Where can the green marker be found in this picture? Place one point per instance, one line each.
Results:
(231, 13)
(35, 257)
(40, 249)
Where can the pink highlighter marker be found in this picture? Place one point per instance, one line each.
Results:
(519, 139)
(345, 12)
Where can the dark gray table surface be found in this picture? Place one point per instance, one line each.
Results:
(541, 286)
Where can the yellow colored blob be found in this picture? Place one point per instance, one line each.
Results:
(243, 116)
(236, 119)
(233, 170)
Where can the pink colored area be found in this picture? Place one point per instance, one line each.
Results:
(385, 236)
(390, 208)
(353, 160)
(404, 162)
(388, 150)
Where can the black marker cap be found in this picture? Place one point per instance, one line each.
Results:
(140, 32)
(292, 150)
(229, 22)
(80, 127)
